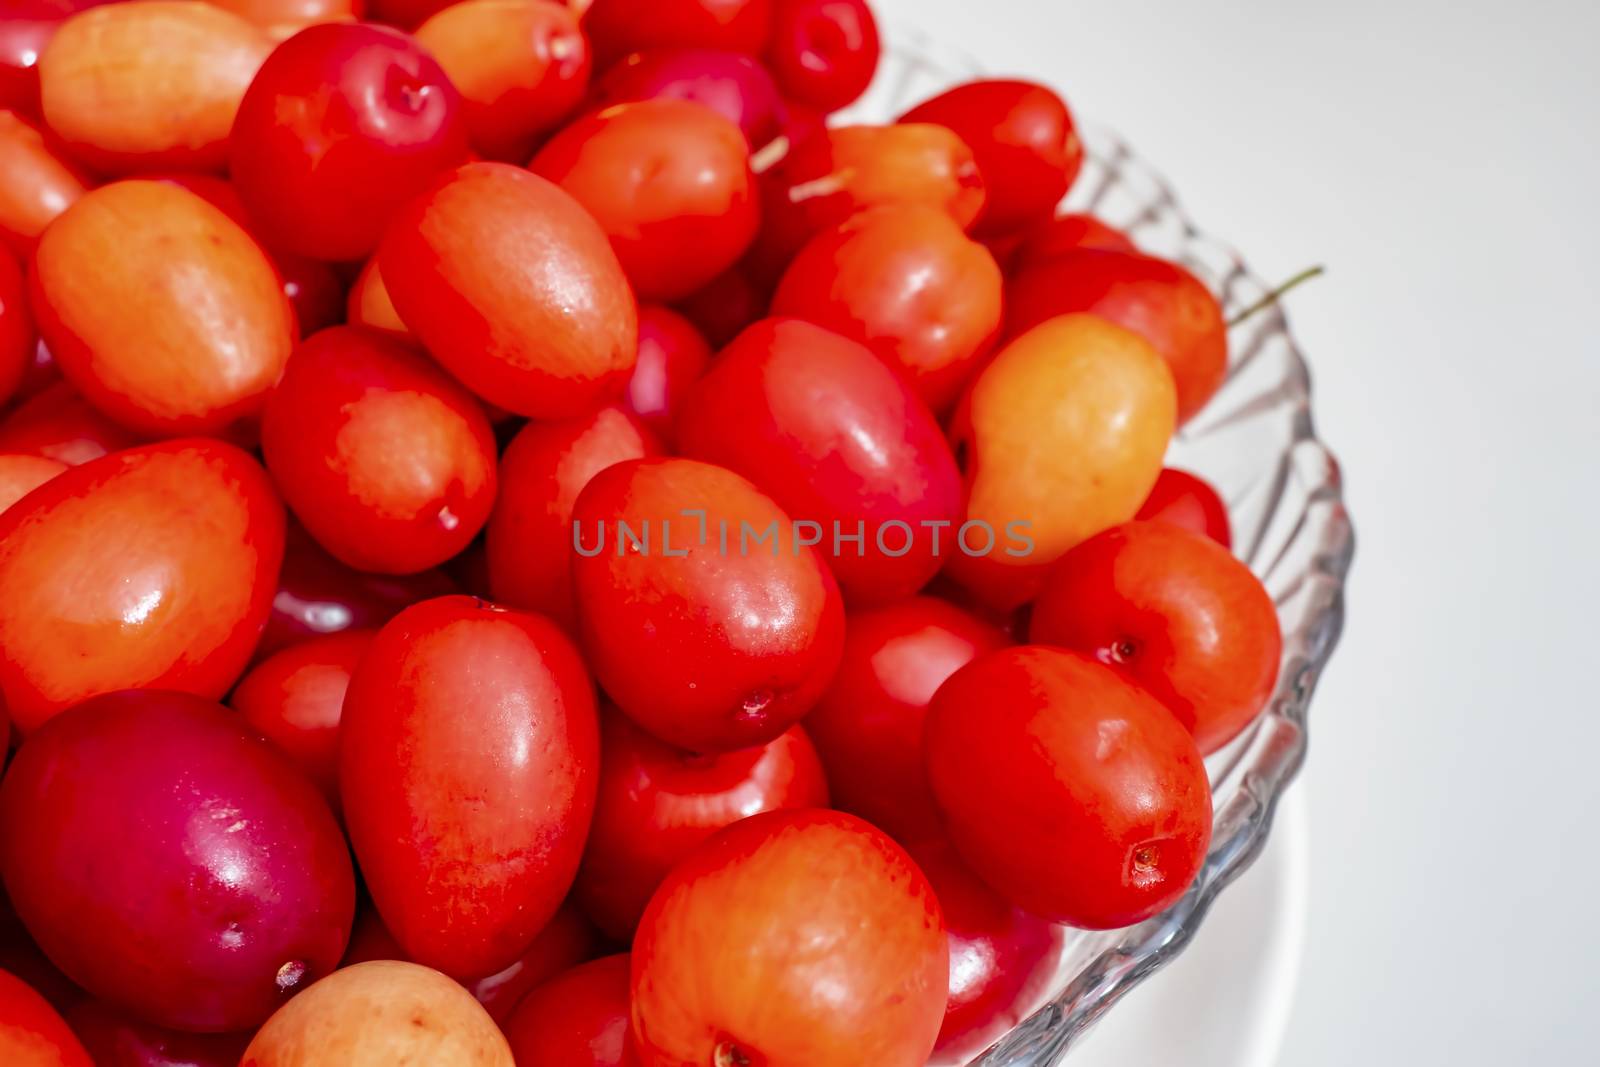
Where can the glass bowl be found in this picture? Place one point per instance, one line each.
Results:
(1256, 443)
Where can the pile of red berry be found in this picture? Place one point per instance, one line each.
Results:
(712, 570)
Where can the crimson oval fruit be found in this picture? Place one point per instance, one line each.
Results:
(57, 423)
(521, 66)
(905, 281)
(669, 182)
(31, 1033)
(868, 725)
(381, 1013)
(1066, 234)
(36, 183)
(245, 891)
(116, 1039)
(385, 459)
(294, 699)
(468, 754)
(578, 1019)
(733, 85)
(656, 803)
(1023, 138)
(1175, 613)
(672, 357)
(722, 633)
(546, 466)
(1160, 301)
(823, 52)
(784, 900)
(1188, 500)
(149, 86)
(566, 941)
(511, 285)
(837, 438)
(18, 343)
(1073, 793)
(177, 603)
(191, 354)
(618, 27)
(21, 474)
(373, 120)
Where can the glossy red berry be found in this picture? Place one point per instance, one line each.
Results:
(823, 52)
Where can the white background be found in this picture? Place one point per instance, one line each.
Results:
(1441, 157)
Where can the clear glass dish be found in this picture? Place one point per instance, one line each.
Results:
(1256, 443)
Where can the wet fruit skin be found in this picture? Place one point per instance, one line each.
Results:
(386, 460)
(180, 603)
(59, 424)
(1161, 301)
(1176, 614)
(521, 65)
(513, 287)
(868, 725)
(247, 892)
(618, 27)
(823, 52)
(781, 899)
(116, 1039)
(1073, 793)
(344, 124)
(149, 86)
(37, 183)
(1107, 406)
(672, 357)
(193, 353)
(379, 1014)
(732, 84)
(1189, 501)
(579, 1019)
(468, 756)
(670, 183)
(999, 954)
(294, 699)
(708, 650)
(566, 941)
(835, 437)
(656, 803)
(905, 281)
(31, 1033)
(28, 27)
(1023, 138)
(22, 474)
(546, 466)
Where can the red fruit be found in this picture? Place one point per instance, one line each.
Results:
(31, 1033)
(837, 439)
(566, 941)
(618, 27)
(832, 936)
(468, 757)
(294, 698)
(999, 954)
(522, 66)
(1186, 500)
(37, 182)
(672, 357)
(384, 458)
(511, 285)
(545, 467)
(18, 342)
(407, 14)
(709, 649)
(374, 120)
(669, 182)
(823, 52)
(656, 804)
(733, 85)
(22, 474)
(1160, 301)
(177, 603)
(1176, 614)
(1023, 139)
(22, 958)
(725, 305)
(194, 354)
(1076, 795)
(59, 424)
(1066, 234)
(369, 304)
(245, 892)
(868, 725)
(27, 27)
(905, 281)
(116, 1039)
(577, 1020)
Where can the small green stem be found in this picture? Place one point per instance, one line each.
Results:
(1277, 294)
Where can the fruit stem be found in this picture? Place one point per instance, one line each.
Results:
(1277, 294)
